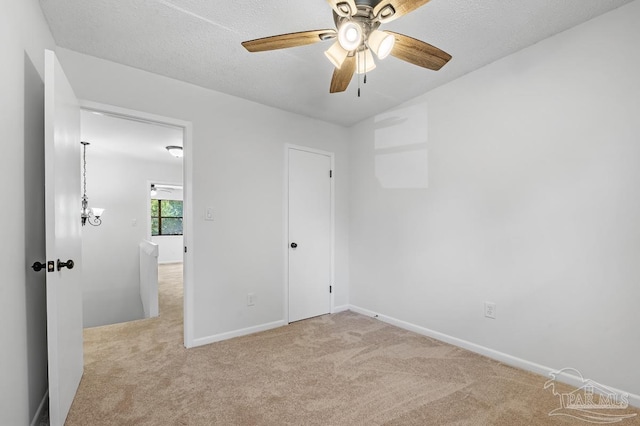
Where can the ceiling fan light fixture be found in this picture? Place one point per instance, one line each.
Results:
(365, 61)
(357, 23)
(336, 54)
(381, 43)
(350, 35)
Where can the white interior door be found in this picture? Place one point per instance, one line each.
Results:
(309, 234)
(62, 210)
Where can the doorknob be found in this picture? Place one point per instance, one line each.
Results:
(294, 245)
(67, 264)
(37, 266)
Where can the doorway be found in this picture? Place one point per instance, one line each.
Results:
(309, 229)
(139, 158)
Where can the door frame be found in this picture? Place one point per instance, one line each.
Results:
(187, 185)
(331, 155)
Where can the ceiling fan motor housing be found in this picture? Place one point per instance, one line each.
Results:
(370, 3)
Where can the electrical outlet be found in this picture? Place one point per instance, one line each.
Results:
(251, 299)
(208, 213)
(490, 310)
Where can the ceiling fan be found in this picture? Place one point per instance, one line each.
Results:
(357, 35)
(155, 188)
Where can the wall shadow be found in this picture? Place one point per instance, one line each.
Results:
(400, 143)
(35, 249)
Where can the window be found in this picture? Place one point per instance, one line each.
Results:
(166, 217)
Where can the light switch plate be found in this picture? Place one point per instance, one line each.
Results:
(490, 310)
(208, 213)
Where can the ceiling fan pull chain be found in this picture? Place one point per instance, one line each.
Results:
(358, 69)
(365, 67)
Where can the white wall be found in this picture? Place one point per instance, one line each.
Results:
(111, 270)
(238, 169)
(24, 35)
(532, 202)
(171, 247)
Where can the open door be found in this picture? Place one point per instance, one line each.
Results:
(63, 243)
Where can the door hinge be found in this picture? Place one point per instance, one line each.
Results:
(330, 173)
(185, 249)
(330, 289)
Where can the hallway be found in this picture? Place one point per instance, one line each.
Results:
(129, 353)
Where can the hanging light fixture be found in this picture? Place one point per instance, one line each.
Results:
(88, 215)
(358, 36)
(174, 150)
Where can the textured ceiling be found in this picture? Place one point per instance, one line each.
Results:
(199, 42)
(124, 137)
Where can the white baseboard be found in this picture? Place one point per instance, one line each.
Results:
(340, 308)
(250, 330)
(40, 410)
(513, 361)
(237, 333)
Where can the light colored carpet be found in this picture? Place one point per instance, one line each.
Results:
(341, 369)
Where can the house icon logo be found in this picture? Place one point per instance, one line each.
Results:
(591, 402)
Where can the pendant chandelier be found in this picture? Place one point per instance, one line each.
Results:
(88, 215)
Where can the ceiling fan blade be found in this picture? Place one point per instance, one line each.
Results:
(342, 76)
(284, 41)
(394, 9)
(344, 8)
(418, 52)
